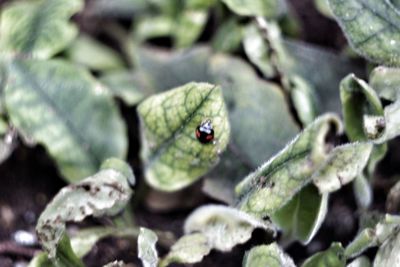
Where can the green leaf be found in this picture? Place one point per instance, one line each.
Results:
(151, 27)
(323, 7)
(84, 240)
(188, 249)
(388, 253)
(362, 191)
(372, 28)
(117, 8)
(303, 215)
(188, 27)
(7, 140)
(253, 138)
(275, 183)
(147, 247)
(131, 87)
(267, 255)
(92, 54)
(344, 163)
(172, 155)
(386, 82)
(267, 8)
(228, 36)
(62, 107)
(104, 193)
(332, 257)
(224, 227)
(38, 28)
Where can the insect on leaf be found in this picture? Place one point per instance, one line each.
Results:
(267, 255)
(104, 193)
(173, 156)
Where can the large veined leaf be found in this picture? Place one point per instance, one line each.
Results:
(172, 155)
(104, 193)
(372, 27)
(38, 28)
(267, 255)
(301, 218)
(62, 107)
(332, 257)
(273, 184)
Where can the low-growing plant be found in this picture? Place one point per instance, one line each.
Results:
(269, 125)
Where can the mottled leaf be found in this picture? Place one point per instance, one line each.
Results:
(224, 227)
(344, 163)
(104, 193)
(38, 28)
(332, 257)
(172, 155)
(303, 215)
(92, 54)
(372, 28)
(131, 87)
(389, 253)
(267, 255)
(62, 107)
(188, 249)
(273, 184)
(253, 140)
(147, 248)
(267, 8)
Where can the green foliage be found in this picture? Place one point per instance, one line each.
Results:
(332, 257)
(271, 255)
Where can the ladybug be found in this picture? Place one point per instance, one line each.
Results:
(205, 132)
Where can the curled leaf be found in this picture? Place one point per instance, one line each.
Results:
(224, 227)
(267, 255)
(38, 28)
(372, 28)
(173, 156)
(275, 183)
(104, 193)
(63, 107)
(147, 247)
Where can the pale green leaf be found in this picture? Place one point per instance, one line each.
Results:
(38, 28)
(172, 155)
(94, 55)
(188, 27)
(389, 253)
(41, 260)
(275, 183)
(62, 107)
(323, 8)
(332, 257)
(267, 255)
(360, 262)
(303, 215)
(117, 8)
(343, 165)
(147, 247)
(253, 140)
(267, 8)
(224, 227)
(228, 36)
(104, 193)
(393, 199)
(131, 87)
(188, 249)
(152, 27)
(386, 82)
(372, 28)
(84, 240)
(362, 191)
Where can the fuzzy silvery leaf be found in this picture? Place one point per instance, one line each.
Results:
(38, 28)
(386, 82)
(224, 227)
(188, 249)
(246, 95)
(332, 257)
(104, 193)
(275, 182)
(372, 28)
(389, 252)
(343, 165)
(172, 155)
(147, 247)
(63, 107)
(267, 255)
(302, 216)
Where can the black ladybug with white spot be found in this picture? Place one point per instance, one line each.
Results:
(205, 132)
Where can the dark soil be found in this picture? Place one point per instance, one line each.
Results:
(29, 180)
